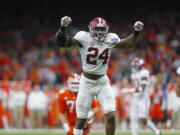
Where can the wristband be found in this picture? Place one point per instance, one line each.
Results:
(136, 33)
(90, 114)
(62, 28)
(178, 71)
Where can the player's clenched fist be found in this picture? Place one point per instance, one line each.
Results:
(138, 26)
(65, 21)
(178, 71)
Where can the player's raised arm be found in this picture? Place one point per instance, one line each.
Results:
(130, 41)
(63, 40)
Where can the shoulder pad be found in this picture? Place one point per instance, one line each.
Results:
(80, 35)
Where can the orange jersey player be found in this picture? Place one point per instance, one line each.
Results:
(67, 107)
(3, 114)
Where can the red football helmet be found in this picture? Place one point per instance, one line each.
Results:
(137, 63)
(73, 82)
(98, 28)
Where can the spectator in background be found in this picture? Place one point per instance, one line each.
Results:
(156, 98)
(178, 82)
(3, 116)
(17, 99)
(11, 105)
(37, 106)
(53, 112)
(174, 107)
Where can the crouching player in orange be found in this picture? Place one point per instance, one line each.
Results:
(67, 106)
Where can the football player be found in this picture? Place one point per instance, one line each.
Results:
(178, 82)
(141, 102)
(95, 48)
(67, 102)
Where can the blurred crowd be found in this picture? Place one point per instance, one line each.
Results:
(33, 69)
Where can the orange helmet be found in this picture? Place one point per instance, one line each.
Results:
(73, 82)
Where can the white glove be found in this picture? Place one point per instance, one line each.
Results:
(90, 114)
(178, 71)
(65, 21)
(138, 26)
(66, 127)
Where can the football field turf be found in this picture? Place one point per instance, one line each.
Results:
(127, 133)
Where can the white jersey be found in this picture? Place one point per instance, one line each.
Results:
(141, 102)
(137, 80)
(95, 55)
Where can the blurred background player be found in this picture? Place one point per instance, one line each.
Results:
(37, 105)
(67, 106)
(174, 102)
(178, 82)
(17, 101)
(95, 48)
(141, 102)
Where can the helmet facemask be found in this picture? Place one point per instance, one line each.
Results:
(73, 86)
(99, 33)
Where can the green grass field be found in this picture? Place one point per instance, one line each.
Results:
(164, 133)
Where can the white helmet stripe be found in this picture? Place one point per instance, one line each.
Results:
(99, 19)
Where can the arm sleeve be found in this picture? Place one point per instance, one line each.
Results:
(63, 40)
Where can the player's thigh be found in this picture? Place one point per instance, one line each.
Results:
(106, 98)
(133, 120)
(134, 110)
(83, 102)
